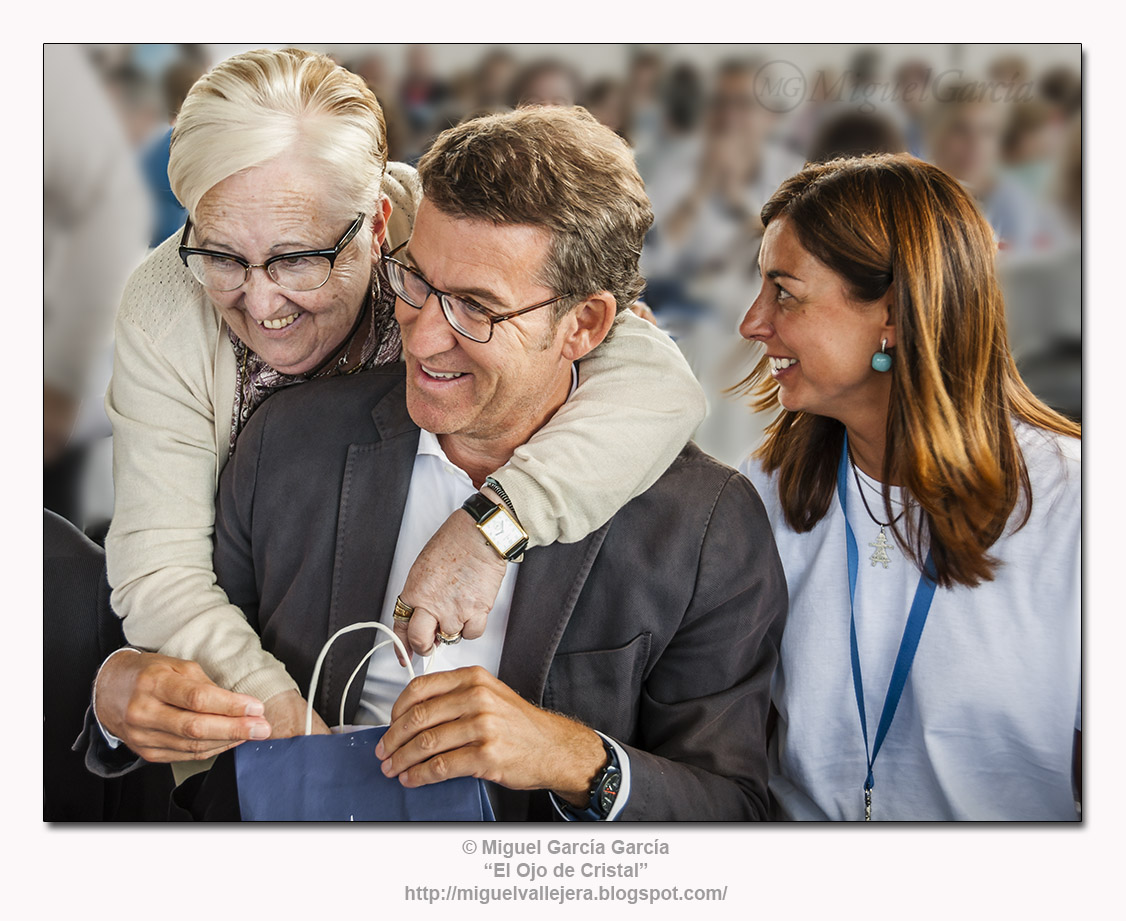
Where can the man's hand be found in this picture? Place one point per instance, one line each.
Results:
(451, 586)
(285, 713)
(466, 723)
(167, 709)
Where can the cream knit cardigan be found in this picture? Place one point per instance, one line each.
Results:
(171, 400)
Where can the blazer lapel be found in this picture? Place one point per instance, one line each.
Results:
(372, 498)
(551, 579)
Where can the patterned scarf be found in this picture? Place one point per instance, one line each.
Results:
(376, 330)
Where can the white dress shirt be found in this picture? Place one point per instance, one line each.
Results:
(438, 488)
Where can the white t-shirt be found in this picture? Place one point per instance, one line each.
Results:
(984, 728)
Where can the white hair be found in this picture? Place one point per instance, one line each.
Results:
(258, 106)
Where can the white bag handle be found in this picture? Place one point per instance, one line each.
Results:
(324, 652)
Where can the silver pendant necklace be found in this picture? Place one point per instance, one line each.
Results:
(881, 543)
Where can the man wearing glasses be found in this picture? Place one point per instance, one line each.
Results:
(626, 675)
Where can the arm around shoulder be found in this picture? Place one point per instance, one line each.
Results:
(636, 406)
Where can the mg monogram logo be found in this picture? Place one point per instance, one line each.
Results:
(779, 86)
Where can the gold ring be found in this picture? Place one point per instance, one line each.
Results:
(449, 639)
(403, 611)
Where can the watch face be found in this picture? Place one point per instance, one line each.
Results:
(609, 792)
(502, 530)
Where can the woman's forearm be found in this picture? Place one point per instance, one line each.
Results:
(636, 406)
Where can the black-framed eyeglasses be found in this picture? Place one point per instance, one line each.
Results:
(466, 317)
(302, 271)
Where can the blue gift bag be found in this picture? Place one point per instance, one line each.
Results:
(337, 778)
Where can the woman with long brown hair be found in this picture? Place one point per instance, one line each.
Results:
(926, 507)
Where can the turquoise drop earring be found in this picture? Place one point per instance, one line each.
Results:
(881, 361)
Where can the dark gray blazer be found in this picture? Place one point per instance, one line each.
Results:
(661, 629)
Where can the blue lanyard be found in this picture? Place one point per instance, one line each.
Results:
(916, 620)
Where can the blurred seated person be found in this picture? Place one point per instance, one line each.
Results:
(169, 214)
(79, 631)
(422, 97)
(606, 101)
(912, 79)
(492, 80)
(626, 675)
(854, 134)
(642, 103)
(1061, 89)
(373, 70)
(1029, 147)
(964, 139)
(545, 83)
(1009, 70)
(136, 98)
(707, 214)
(1068, 183)
(95, 224)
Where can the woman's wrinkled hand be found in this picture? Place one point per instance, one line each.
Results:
(285, 712)
(451, 586)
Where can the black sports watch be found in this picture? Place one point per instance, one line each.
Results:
(603, 792)
(498, 525)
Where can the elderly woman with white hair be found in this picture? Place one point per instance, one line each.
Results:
(280, 160)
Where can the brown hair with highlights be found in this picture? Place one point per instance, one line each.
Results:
(557, 169)
(895, 222)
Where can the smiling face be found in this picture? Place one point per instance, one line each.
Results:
(820, 342)
(482, 398)
(272, 209)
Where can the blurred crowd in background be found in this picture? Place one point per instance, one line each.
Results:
(714, 129)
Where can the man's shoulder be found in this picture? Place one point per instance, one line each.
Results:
(691, 491)
(700, 473)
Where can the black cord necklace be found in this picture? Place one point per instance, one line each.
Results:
(881, 543)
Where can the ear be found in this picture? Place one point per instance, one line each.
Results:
(379, 225)
(888, 330)
(588, 324)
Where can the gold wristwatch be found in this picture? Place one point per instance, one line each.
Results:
(498, 525)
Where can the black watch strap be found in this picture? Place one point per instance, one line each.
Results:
(603, 791)
(479, 506)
